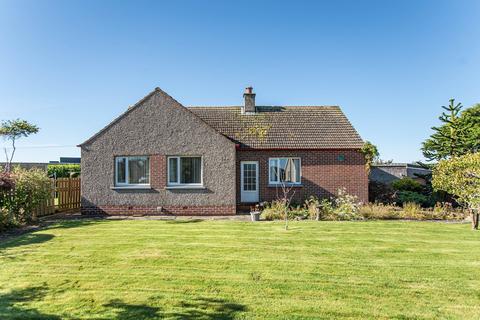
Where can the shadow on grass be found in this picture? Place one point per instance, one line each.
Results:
(16, 238)
(125, 311)
(26, 239)
(208, 308)
(200, 308)
(13, 304)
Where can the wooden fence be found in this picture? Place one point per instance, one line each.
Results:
(64, 196)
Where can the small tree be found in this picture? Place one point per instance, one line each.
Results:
(12, 130)
(371, 154)
(286, 199)
(460, 176)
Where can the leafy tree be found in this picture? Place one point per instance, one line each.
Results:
(370, 151)
(470, 119)
(13, 130)
(458, 135)
(63, 170)
(460, 176)
(407, 184)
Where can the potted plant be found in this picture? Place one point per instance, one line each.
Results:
(255, 212)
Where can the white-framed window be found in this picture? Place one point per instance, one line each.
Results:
(132, 171)
(284, 170)
(185, 171)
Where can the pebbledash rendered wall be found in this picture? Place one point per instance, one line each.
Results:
(158, 126)
(323, 173)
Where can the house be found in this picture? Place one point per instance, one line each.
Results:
(67, 160)
(386, 173)
(160, 157)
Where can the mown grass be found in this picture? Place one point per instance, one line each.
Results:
(99, 269)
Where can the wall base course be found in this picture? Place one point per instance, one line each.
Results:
(166, 210)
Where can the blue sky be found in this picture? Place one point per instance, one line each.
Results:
(72, 66)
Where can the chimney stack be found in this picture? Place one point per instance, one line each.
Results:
(249, 105)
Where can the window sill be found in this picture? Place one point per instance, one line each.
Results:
(131, 187)
(287, 185)
(184, 187)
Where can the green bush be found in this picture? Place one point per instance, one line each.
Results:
(274, 210)
(407, 184)
(31, 188)
(411, 196)
(63, 170)
(5, 220)
(319, 209)
(298, 213)
(380, 192)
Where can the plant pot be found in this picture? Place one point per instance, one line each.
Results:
(255, 215)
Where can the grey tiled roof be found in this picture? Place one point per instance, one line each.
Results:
(292, 127)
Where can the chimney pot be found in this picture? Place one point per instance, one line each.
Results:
(249, 101)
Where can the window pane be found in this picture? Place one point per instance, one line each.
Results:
(273, 170)
(297, 170)
(285, 170)
(249, 177)
(190, 170)
(138, 170)
(120, 170)
(281, 170)
(173, 170)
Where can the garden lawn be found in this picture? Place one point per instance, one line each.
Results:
(131, 269)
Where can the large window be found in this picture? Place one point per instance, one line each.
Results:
(132, 171)
(184, 171)
(284, 170)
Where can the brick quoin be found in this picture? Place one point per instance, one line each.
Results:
(323, 173)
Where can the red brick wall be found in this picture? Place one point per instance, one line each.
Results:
(158, 171)
(322, 173)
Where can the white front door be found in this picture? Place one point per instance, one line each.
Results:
(249, 181)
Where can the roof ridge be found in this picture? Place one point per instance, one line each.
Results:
(271, 106)
(140, 102)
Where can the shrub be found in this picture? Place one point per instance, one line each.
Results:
(326, 210)
(412, 210)
(273, 211)
(7, 182)
(5, 220)
(445, 211)
(407, 184)
(63, 170)
(379, 211)
(312, 206)
(298, 213)
(32, 187)
(345, 206)
(380, 192)
(410, 197)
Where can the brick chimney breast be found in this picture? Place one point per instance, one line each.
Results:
(249, 104)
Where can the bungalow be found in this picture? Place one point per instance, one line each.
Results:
(160, 157)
